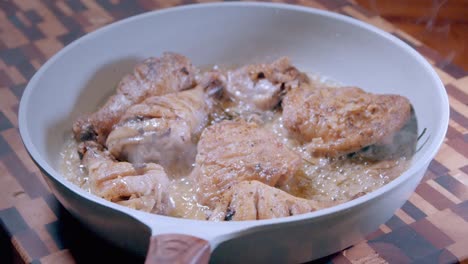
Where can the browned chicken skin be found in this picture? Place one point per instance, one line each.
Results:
(142, 186)
(157, 125)
(337, 121)
(162, 129)
(261, 85)
(234, 151)
(154, 76)
(253, 200)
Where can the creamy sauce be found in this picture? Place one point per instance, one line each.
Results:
(322, 179)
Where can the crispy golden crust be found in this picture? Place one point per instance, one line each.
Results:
(336, 121)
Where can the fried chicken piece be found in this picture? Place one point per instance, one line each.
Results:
(162, 129)
(142, 186)
(337, 121)
(261, 86)
(154, 76)
(402, 144)
(253, 200)
(234, 151)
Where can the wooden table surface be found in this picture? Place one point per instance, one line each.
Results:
(439, 24)
(431, 227)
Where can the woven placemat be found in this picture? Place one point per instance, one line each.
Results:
(431, 227)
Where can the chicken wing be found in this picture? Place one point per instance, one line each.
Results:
(142, 186)
(154, 76)
(253, 200)
(234, 151)
(162, 129)
(337, 121)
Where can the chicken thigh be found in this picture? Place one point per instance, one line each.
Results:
(154, 76)
(234, 151)
(261, 85)
(337, 121)
(162, 129)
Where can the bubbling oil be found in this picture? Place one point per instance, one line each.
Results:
(322, 179)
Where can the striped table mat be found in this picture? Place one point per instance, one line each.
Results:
(431, 227)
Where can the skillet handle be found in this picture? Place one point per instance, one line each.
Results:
(178, 249)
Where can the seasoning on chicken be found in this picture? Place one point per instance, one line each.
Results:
(234, 151)
(143, 186)
(162, 129)
(337, 121)
(261, 86)
(154, 76)
(253, 200)
(257, 142)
